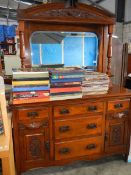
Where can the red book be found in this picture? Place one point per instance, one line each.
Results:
(30, 100)
(69, 89)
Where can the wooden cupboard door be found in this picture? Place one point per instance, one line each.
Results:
(34, 145)
(116, 134)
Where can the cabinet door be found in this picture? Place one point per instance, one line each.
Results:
(33, 144)
(116, 132)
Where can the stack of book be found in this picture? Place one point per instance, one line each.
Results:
(95, 83)
(30, 85)
(65, 83)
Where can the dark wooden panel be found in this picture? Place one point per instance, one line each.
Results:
(129, 64)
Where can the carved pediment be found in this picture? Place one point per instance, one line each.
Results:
(65, 13)
(58, 12)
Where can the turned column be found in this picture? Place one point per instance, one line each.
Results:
(109, 50)
(22, 48)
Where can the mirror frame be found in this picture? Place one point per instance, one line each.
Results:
(78, 18)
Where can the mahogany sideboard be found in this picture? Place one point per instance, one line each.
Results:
(59, 132)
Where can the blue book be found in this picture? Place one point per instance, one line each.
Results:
(65, 80)
(35, 88)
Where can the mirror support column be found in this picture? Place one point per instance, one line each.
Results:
(109, 51)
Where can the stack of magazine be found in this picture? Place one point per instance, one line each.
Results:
(95, 83)
(65, 83)
(30, 85)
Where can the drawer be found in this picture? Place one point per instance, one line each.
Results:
(118, 105)
(76, 148)
(78, 126)
(76, 109)
(33, 113)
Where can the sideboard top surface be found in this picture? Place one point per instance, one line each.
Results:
(113, 92)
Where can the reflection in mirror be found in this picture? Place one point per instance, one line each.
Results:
(68, 48)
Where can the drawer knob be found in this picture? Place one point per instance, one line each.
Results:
(91, 126)
(64, 150)
(119, 105)
(64, 128)
(91, 146)
(64, 111)
(92, 108)
(32, 114)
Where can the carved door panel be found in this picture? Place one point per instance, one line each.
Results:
(34, 145)
(116, 135)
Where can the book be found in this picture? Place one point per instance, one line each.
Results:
(28, 88)
(19, 83)
(31, 100)
(31, 79)
(64, 80)
(71, 89)
(31, 94)
(63, 84)
(65, 97)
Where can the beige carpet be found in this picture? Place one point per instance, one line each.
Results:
(109, 166)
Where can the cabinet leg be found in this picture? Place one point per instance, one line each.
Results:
(125, 156)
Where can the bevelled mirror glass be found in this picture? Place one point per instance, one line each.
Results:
(68, 48)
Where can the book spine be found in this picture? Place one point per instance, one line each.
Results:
(56, 90)
(19, 83)
(39, 88)
(66, 80)
(22, 101)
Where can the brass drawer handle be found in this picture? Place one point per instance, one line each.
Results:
(119, 105)
(91, 146)
(64, 111)
(64, 151)
(64, 128)
(92, 126)
(32, 114)
(92, 108)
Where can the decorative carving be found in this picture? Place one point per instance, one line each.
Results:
(35, 147)
(116, 134)
(77, 13)
(118, 115)
(33, 125)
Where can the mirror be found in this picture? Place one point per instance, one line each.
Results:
(68, 48)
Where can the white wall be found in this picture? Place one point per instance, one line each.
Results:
(127, 10)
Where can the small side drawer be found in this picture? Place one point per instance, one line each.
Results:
(118, 105)
(79, 126)
(76, 148)
(77, 109)
(33, 113)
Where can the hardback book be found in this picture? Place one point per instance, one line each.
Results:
(65, 80)
(31, 100)
(67, 89)
(31, 94)
(19, 83)
(29, 88)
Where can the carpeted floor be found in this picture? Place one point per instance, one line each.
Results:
(108, 166)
